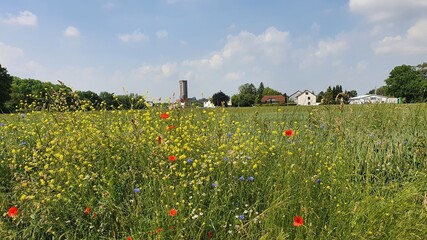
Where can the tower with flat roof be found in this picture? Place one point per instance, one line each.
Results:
(183, 90)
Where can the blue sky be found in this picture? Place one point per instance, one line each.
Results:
(146, 47)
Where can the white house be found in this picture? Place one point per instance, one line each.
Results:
(293, 96)
(306, 98)
(372, 98)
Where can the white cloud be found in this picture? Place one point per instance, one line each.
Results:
(412, 43)
(25, 18)
(162, 34)
(387, 10)
(270, 45)
(168, 69)
(330, 47)
(215, 62)
(235, 75)
(9, 54)
(71, 32)
(135, 36)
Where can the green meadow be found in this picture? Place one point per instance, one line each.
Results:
(325, 172)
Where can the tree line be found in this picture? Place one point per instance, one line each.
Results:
(405, 81)
(18, 94)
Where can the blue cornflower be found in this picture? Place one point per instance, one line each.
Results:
(189, 160)
(248, 157)
(230, 134)
(23, 143)
(225, 158)
(318, 180)
(23, 115)
(214, 185)
(137, 190)
(2, 124)
(322, 126)
(241, 217)
(241, 178)
(250, 178)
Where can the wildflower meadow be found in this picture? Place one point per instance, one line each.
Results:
(325, 172)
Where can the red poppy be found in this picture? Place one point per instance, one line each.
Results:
(210, 234)
(173, 212)
(289, 132)
(172, 158)
(159, 230)
(298, 221)
(13, 212)
(159, 140)
(170, 127)
(164, 116)
(129, 238)
(87, 211)
(94, 215)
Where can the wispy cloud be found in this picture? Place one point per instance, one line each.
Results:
(25, 18)
(71, 32)
(135, 36)
(162, 34)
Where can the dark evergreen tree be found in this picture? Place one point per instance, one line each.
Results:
(220, 99)
(5, 87)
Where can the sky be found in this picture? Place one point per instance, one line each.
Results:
(146, 47)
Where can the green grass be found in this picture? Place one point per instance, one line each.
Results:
(359, 172)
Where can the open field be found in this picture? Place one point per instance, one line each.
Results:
(253, 173)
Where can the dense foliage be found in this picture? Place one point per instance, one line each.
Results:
(330, 96)
(407, 82)
(220, 99)
(5, 85)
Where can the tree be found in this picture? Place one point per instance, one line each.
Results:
(246, 96)
(89, 95)
(383, 90)
(260, 92)
(270, 91)
(405, 81)
(220, 99)
(5, 87)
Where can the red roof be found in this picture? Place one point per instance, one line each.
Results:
(273, 99)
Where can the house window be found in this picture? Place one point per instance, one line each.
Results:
(308, 98)
(309, 103)
(306, 93)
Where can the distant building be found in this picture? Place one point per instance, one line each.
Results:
(273, 99)
(306, 98)
(293, 96)
(208, 104)
(372, 98)
(183, 90)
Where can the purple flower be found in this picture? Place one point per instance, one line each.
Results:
(2, 124)
(214, 185)
(189, 160)
(250, 178)
(137, 190)
(241, 178)
(318, 180)
(230, 134)
(241, 217)
(23, 115)
(225, 158)
(23, 143)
